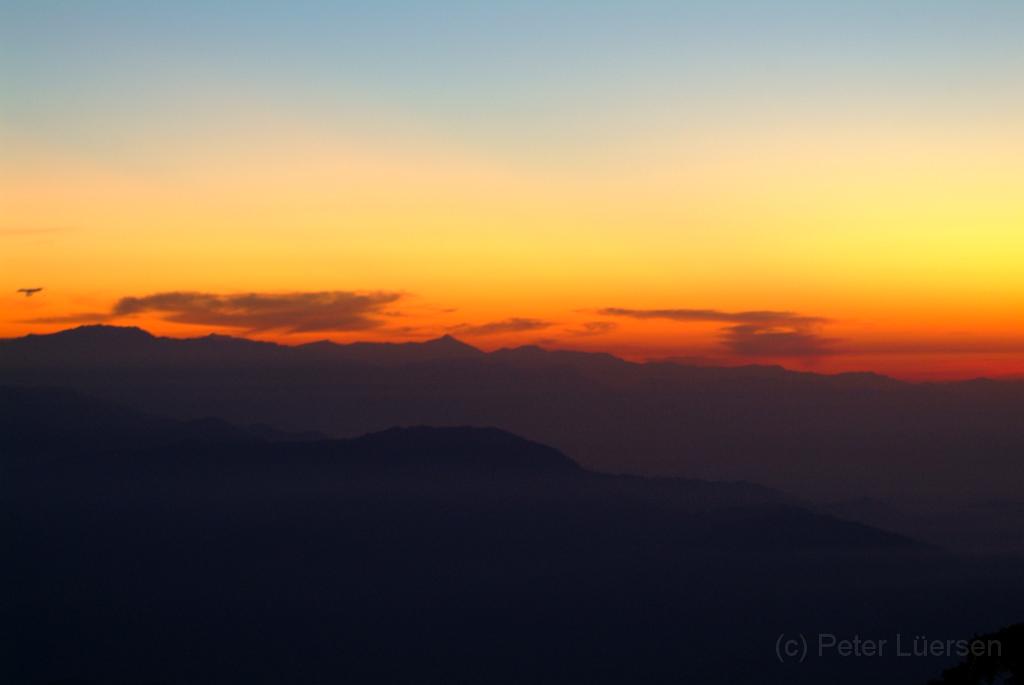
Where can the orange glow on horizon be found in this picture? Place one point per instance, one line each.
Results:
(913, 265)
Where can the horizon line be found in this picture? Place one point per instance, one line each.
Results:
(449, 337)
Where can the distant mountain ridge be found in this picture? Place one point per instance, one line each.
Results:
(106, 343)
(129, 343)
(824, 437)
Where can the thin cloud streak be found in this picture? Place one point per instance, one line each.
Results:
(755, 317)
(297, 312)
(591, 328)
(81, 318)
(754, 333)
(749, 340)
(511, 325)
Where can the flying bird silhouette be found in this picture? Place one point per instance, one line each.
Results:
(28, 292)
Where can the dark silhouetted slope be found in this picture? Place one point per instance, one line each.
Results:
(991, 658)
(139, 549)
(55, 439)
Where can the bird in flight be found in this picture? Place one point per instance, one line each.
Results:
(28, 292)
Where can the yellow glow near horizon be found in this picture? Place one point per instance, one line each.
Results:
(892, 233)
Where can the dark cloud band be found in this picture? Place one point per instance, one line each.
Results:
(755, 333)
(755, 317)
(512, 325)
(292, 312)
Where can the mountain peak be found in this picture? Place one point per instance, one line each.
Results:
(92, 334)
(449, 342)
(100, 330)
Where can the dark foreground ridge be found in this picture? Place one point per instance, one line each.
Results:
(150, 550)
(993, 658)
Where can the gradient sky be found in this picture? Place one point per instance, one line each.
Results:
(825, 185)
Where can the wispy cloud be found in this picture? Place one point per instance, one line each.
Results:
(512, 325)
(753, 333)
(589, 328)
(297, 312)
(79, 317)
(749, 340)
(753, 317)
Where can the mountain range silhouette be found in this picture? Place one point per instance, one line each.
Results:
(827, 438)
(218, 509)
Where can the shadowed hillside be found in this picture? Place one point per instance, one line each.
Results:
(151, 550)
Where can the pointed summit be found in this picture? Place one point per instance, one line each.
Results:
(450, 344)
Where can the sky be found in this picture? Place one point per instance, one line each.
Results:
(829, 186)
